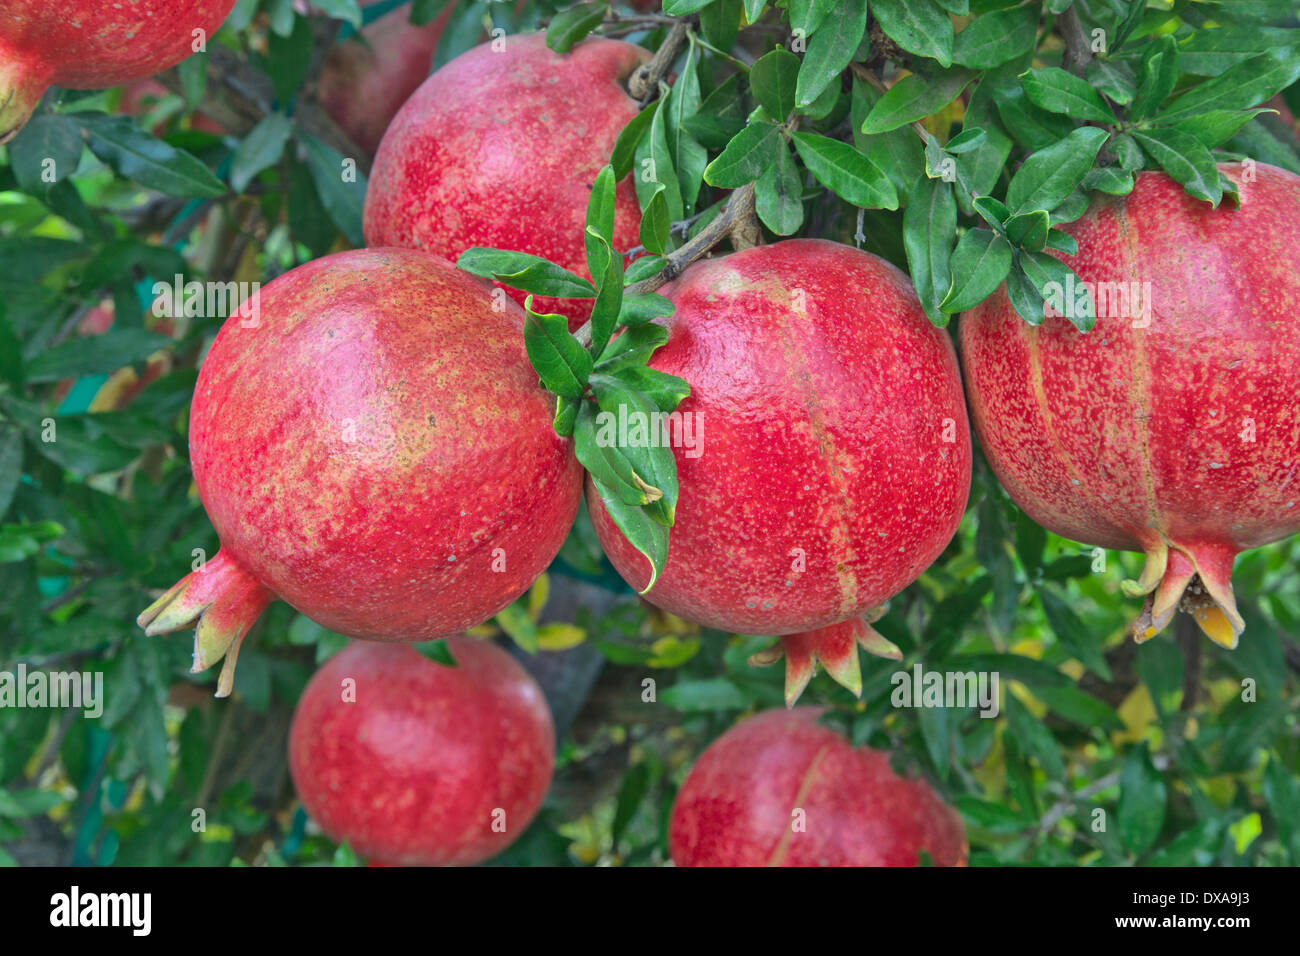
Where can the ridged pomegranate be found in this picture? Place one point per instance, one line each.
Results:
(375, 450)
(92, 45)
(413, 762)
(1172, 427)
(780, 789)
(500, 147)
(835, 459)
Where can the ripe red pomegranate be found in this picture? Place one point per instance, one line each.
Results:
(417, 763)
(92, 45)
(376, 451)
(500, 147)
(1170, 428)
(834, 461)
(780, 789)
(367, 78)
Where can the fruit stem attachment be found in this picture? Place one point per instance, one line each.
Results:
(22, 84)
(220, 600)
(834, 647)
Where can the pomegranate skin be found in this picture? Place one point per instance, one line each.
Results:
(92, 45)
(1181, 439)
(422, 764)
(834, 436)
(737, 805)
(366, 80)
(377, 452)
(500, 149)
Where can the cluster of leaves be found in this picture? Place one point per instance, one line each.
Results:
(954, 151)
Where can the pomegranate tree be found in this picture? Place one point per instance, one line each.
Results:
(780, 789)
(371, 446)
(833, 462)
(92, 45)
(500, 147)
(1170, 427)
(419, 763)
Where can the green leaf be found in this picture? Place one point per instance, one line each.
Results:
(1113, 78)
(929, 223)
(631, 794)
(1132, 20)
(16, 804)
(915, 97)
(846, 171)
(1216, 127)
(681, 8)
(746, 157)
(754, 9)
(522, 629)
(980, 262)
(118, 142)
(641, 308)
(996, 38)
(689, 158)
(1157, 76)
(1024, 296)
(720, 23)
(1057, 91)
(1110, 180)
(1075, 636)
(599, 234)
(1028, 230)
(993, 817)
(654, 164)
(715, 693)
(259, 150)
(47, 151)
(830, 50)
(1141, 811)
(11, 464)
(349, 10)
(525, 272)
(438, 651)
(82, 445)
(641, 531)
(1079, 708)
(571, 25)
(666, 391)
(991, 211)
(288, 57)
(559, 359)
(897, 152)
(772, 80)
(628, 138)
(918, 26)
(655, 224)
(1247, 84)
(1185, 159)
(1048, 176)
(95, 355)
(778, 195)
(652, 459)
(340, 185)
(609, 298)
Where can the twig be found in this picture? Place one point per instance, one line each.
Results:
(644, 81)
(729, 223)
(1078, 52)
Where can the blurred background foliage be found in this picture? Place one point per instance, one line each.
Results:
(94, 524)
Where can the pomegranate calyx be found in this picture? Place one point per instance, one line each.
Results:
(220, 600)
(834, 647)
(1198, 582)
(21, 87)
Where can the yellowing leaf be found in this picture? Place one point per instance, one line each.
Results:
(537, 596)
(559, 637)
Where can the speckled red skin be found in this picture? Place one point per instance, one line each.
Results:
(1130, 438)
(412, 771)
(390, 536)
(736, 807)
(92, 45)
(823, 430)
(366, 79)
(501, 149)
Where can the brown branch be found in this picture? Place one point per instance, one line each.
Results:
(644, 81)
(1078, 51)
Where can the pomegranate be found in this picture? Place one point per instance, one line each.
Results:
(500, 147)
(780, 789)
(91, 45)
(1169, 428)
(367, 78)
(372, 446)
(835, 458)
(417, 763)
